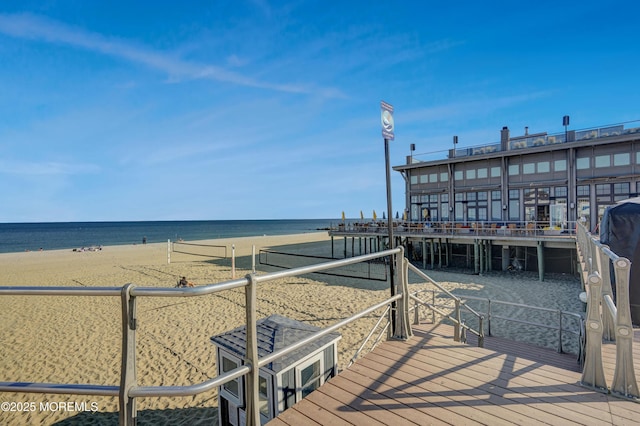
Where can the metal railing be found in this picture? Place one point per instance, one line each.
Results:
(558, 313)
(606, 317)
(460, 328)
(128, 390)
(443, 228)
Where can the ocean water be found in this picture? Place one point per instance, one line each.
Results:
(18, 237)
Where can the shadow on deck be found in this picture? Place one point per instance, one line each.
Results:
(431, 379)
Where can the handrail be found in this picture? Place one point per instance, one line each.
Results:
(458, 324)
(603, 315)
(128, 390)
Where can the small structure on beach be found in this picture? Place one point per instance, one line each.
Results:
(283, 382)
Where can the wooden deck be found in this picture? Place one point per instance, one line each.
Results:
(433, 380)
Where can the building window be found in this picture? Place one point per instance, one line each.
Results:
(459, 175)
(232, 389)
(528, 168)
(582, 163)
(514, 204)
(560, 191)
(603, 189)
(433, 178)
(424, 178)
(638, 157)
(543, 167)
(582, 190)
(482, 173)
(444, 177)
(603, 161)
(623, 159)
(514, 169)
(414, 179)
(496, 205)
(495, 172)
(264, 396)
(560, 165)
(471, 174)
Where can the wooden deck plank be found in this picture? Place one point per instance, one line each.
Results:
(431, 379)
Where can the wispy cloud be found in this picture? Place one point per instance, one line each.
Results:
(47, 168)
(32, 27)
(467, 107)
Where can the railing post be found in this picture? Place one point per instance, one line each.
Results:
(593, 372)
(457, 327)
(489, 317)
(481, 332)
(252, 378)
(127, 415)
(559, 331)
(602, 261)
(416, 312)
(624, 379)
(403, 326)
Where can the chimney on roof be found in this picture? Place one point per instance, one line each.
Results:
(504, 138)
(526, 130)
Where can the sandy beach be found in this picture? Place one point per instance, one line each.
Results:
(77, 339)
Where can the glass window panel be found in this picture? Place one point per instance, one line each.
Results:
(514, 210)
(263, 393)
(621, 188)
(433, 177)
(529, 196)
(495, 172)
(528, 168)
(471, 196)
(543, 167)
(444, 211)
(433, 199)
(444, 198)
(514, 169)
(582, 190)
(232, 386)
(638, 157)
(560, 165)
(514, 193)
(543, 195)
(495, 195)
(603, 189)
(482, 196)
(482, 173)
(603, 161)
(414, 179)
(423, 178)
(623, 159)
(496, 210)
(582, 163)
(444, 177)
(459, 175)
(560, 191)
(415, 198)
(471, 174)
(459, 196)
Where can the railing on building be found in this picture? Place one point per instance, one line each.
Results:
(522, 142)
(606, 317)
(128, 390)
(528, 228)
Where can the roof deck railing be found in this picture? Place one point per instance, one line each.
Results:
(532, 141)
(606, 317)
(128, 390)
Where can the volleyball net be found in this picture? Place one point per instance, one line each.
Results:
(201, 250)
(371, 270)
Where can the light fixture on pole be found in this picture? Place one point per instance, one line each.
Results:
(455, 143)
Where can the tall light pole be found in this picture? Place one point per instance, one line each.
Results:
(386, 118)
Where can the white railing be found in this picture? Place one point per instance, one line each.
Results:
(128, 390)
(605, 317)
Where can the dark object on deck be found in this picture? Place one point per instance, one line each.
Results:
(620, 230)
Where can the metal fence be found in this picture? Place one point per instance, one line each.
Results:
(128, 390)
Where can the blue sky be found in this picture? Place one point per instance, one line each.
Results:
(261, 109)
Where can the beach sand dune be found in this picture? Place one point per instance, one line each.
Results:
(77, 339)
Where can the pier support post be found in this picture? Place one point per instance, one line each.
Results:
(476, 258)
(541, 260)
(128, 378)
(424, 254)
(505, 258)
